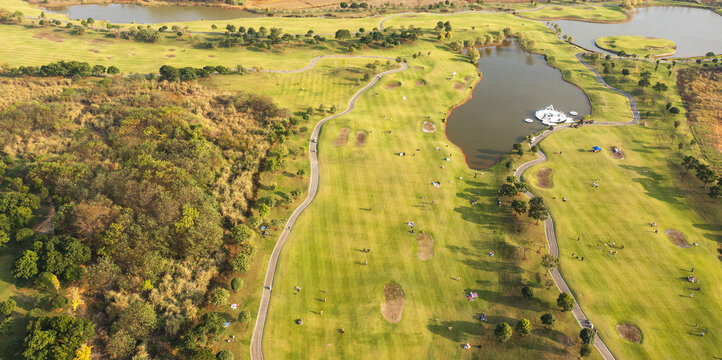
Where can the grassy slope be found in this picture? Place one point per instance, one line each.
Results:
(590, 13)
(639, 45)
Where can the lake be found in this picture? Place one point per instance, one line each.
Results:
(696, 31)
(513, 86)
(127, 13)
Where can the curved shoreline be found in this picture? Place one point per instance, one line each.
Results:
(616, 52)
(256, 348)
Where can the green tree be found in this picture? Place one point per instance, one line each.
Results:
(263, 210)
(244, 316)
(643, 82)
(56, 337)
(585, 350)
(523, 327)
(112, 70)
(587, 335)
(236, 284)
(548, 320)
(519, 206)
(503, 332)
(342, 34)
(138, 319)
(625, 72)
(565, 301)
(527, 292)
(224, 355)
(537, 209)
(705, 174)
(26, 266)
(241, 233)
(218, 297)
(549, 261)
(301, 172)
(7, 307)
(715, 191)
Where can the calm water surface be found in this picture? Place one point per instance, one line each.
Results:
(696, 31)
(513, 86)
(127, 13)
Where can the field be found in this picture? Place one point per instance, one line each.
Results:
(585, 13)
(640, 46)
(368, 194)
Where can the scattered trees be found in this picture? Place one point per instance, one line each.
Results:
(527, 291)
(587, 335)
(565, 301)
(537, 209)
(503, 332)
(523, 327)
(548, 320)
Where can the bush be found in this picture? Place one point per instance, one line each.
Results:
(503, 332)
(236, 284)
(218, 297)
(523, 327)
(585, 350)
(241, 233)
(527, 292)
(244, 316)
(565, 301)
(224, 355)
(548, 320)
(587, 335)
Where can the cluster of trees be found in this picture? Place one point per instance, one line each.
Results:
(8, 17)
(705, 174)
(503, 330)
(174, 74)
(143, 189)
(536, 207)
(65, 69)
(242, 36)
(353, 5)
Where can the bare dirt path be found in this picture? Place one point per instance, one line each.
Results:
(257, 337)
(549, 222)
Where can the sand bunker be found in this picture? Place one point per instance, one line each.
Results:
(428, 127)
(630, 333)
(49, 35)
(95, 51)
(361, 138)
(459, 86)
(676, 237)
(170, 56)
(342, 137)
(544, 178)
(420, 83)
(393, 308)
(426, 247)
(393, 85)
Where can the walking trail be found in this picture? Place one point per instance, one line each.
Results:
(578, 313)
(257, 337)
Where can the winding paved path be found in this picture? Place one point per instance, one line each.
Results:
(578, 313)
(257, 337)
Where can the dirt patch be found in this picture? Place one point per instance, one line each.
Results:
(393, 308)
(361, 138)
(211, 56)
(616, 155)
(49, 35)
(676, 237)
(171, 49)
(342, 137)
(459, 86)
(418, 68)
(420, 83)
(109, 58)
(101, 41)
(630, 332)
(46, 226)
(426, 247)
(468, 78)
(95, 51)
(170, 56)
(428, 127)
(544, 178)
(393, 85)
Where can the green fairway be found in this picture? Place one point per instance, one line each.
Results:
(581, 13)
(641, 46)
(645, 282)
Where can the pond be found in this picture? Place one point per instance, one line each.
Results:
(128, 13)
(696, 31)
(514, 84)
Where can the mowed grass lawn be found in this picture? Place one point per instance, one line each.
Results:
(644, 283)
(638, 45)
(582, 13)
(366, 197)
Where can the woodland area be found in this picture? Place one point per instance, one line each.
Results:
(149, 183)
(701, 89)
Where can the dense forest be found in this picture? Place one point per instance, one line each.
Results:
(125, 201)
(701, 89)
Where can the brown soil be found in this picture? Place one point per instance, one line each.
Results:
(95, 51)
(171, 49)
(618, 156)
(459, 86)
(420, 83)
(429, 127)
(361, 138)
(544, 178)
(676, 237)
(418, 68)
(101, 41)
(426, 247)
(46, 226)
(393, 85)
(468, 78)
(630, 333)
(49, 35)
(170, 56)
(211, 56)
(342, 137)
(393, 308)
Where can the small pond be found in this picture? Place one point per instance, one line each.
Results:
(696, 31)
(513, 86)
(128, 13)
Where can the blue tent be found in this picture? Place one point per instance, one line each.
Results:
(597, 148)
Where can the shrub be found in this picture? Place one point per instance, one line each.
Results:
(244, 316)
(218, 297)
(224, 355)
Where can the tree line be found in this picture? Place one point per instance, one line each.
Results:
(63, 68)
(705, 174)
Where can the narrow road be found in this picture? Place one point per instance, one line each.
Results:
(578, 313)
(257, 337)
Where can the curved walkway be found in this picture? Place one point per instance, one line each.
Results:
(257, 337)
(578, 313)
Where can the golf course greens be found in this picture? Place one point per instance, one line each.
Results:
(641, 46)
(401, 231)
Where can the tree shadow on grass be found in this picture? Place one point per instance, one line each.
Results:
(650, 180)
(715, 235)
(460, 330)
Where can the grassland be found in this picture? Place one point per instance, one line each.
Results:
(641, 46)
(592, 13)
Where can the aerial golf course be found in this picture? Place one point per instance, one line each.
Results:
(617, 216)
